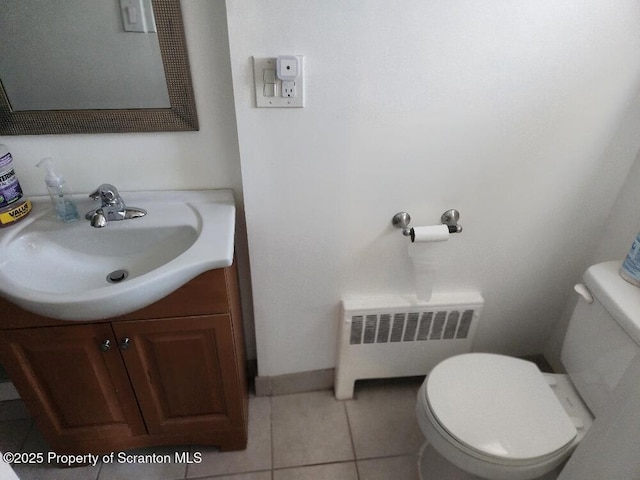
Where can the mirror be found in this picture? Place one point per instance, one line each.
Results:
(156, 62)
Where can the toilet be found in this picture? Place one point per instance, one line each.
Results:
(500, 418)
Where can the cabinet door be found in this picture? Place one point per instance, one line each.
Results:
(79, 395)
(185, 374)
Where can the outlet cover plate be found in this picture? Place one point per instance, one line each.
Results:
(263, 98)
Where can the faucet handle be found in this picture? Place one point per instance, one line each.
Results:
(97, 218)
(107, 193)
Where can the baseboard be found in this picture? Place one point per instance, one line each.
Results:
(300, 382)
(294, 383)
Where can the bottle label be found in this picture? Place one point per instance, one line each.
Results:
(5, 160)
(631, 264)
(10, 190)
(15, 214)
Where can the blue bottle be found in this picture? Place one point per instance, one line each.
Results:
(630, 269)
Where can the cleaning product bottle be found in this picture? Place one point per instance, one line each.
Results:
(58, 191)
(13, 206)
(630, 268)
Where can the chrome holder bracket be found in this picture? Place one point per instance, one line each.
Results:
(449, 218)
(402, 220)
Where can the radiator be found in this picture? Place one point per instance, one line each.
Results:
(398, 336)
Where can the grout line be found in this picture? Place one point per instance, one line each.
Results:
(271, 434)
(186, 467)
(355, 461)
(385, 457)
(353, 445)
(99, 470)
(319, 464)
(24, 440)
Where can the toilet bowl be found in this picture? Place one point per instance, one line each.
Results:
(501, 418)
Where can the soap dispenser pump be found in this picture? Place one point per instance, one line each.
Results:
(60, 197)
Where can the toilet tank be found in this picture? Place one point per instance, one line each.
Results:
(603, 336)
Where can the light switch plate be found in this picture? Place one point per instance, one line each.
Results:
(260, 64)
(137, 16)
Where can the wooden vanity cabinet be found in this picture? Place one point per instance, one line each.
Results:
(152, 377)
(78, 395)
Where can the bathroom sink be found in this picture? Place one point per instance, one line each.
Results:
(73, 271)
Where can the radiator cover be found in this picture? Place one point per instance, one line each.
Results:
(398, 336)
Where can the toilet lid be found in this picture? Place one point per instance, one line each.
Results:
(498, 406)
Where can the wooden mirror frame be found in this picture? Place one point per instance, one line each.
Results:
(180, 116)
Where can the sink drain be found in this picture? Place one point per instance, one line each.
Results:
(117, 276)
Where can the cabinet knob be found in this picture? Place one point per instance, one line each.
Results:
(125, 343)
(105, 346)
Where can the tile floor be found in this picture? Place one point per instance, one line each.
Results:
(307, 436)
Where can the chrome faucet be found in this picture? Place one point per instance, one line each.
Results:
(113, 207)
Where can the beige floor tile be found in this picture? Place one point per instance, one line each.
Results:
(256, 457)
(13, 434)
(8, 392)
(49, 472)
(436, 467)
(311, 441)
(383, 420)
(46, 471)
(13, 410)
(405, 467)
(309, 428)
(331, 471)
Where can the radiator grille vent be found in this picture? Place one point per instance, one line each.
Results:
(410, 327)
(398, 336)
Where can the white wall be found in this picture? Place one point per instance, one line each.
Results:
(160, 161)
(503, 110)
(622, 222)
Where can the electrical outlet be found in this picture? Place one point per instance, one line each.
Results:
(274, 92)
(288, 89)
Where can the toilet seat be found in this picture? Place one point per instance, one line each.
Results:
(495, 415)
(498, 406)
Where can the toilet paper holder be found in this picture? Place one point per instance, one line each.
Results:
(449, 218)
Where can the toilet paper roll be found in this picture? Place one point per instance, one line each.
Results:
(431, 233)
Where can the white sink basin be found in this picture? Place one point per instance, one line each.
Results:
(60, 270)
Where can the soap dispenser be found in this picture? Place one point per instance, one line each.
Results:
(60, 197)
